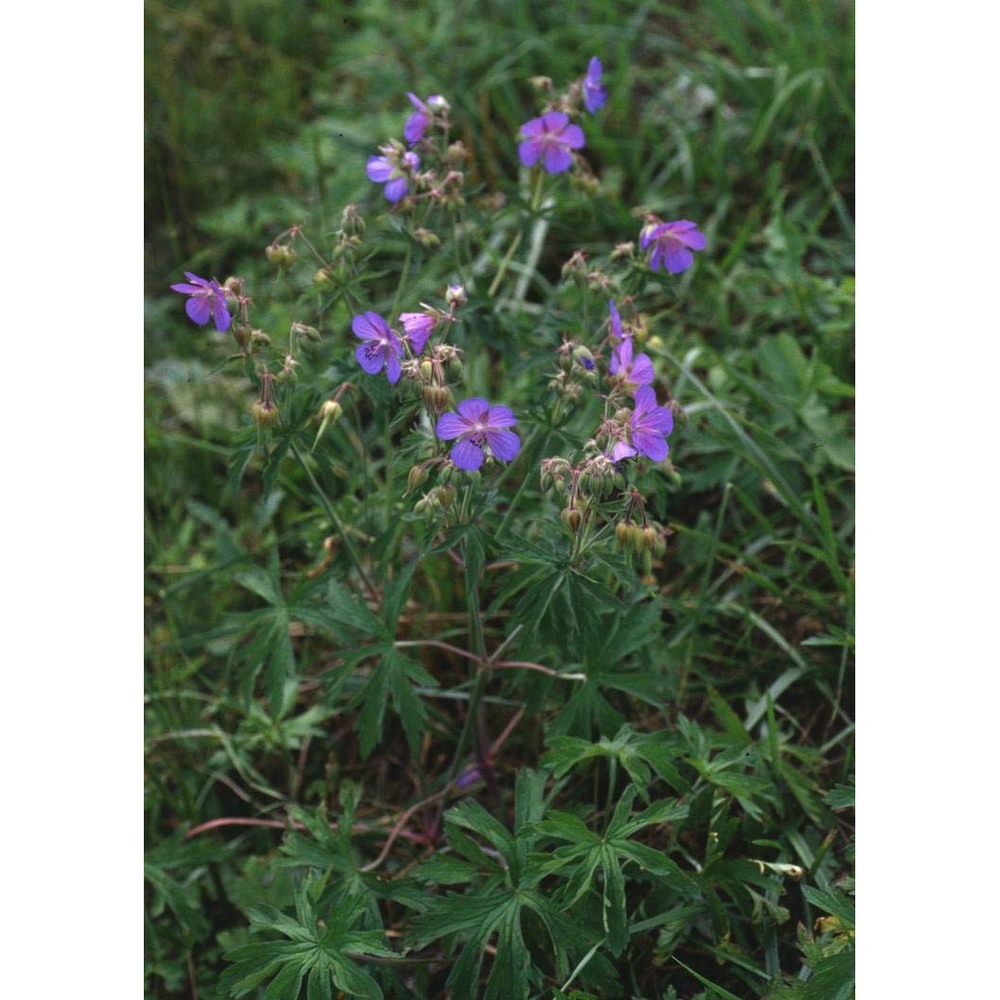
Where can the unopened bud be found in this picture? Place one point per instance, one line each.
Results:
(455, 154)
(241, 334)
(264, 413)
(584, 356)
(572, 518)
(455, 295)
(426, 238)
(323, 277)
(454, 368)
(576, 266)
(351, 222)
(416, 478)
(437, 398)
(309, 332)
(623, 533)
(445, 495)
(280, 255)
(331, 410)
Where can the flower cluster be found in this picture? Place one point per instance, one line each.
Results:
(424, 170)
(552, 138)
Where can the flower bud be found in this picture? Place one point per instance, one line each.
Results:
(572, 518)
(323, 278)
(437, 398)
(455, 368)
(426, 370)
(416, 478)
(241, 334)
(330, 410)
(426, 238)
(576, 268)
(623, 533)
(264, 413)
(309, 332)
(258, 339)
(584, 356)
(351, 222)
(445, 495)
(455, 154)
(281, 255)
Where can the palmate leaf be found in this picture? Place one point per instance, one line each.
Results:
(395, 674)
(640, 754)
(586, 852)
(326, 953)
(503, 875)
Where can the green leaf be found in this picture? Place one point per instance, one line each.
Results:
(349, 610)
(471, 815)
(348, 977)
(832, 978)
(615, 917)
(833, 902)
(318, 985)
(261, 584)
(285, 985)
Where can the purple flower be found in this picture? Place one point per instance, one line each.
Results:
(648, 428)
(394, 175)
(476, 425)
(594, 93)
(672, 244)
(551, 138)
(633, 372)
(382, 348)
(208, 301)
(416, 124)
(418, 328)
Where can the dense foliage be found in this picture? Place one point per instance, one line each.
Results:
(450, 698)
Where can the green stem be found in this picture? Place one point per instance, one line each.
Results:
(352, 552)
(505, 263)
(477, 644)
(528, 441)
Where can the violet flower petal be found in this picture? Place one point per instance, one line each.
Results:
(504, 444)
(467, 456)
(450, 425)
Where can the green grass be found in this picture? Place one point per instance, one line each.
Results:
(711, 744)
